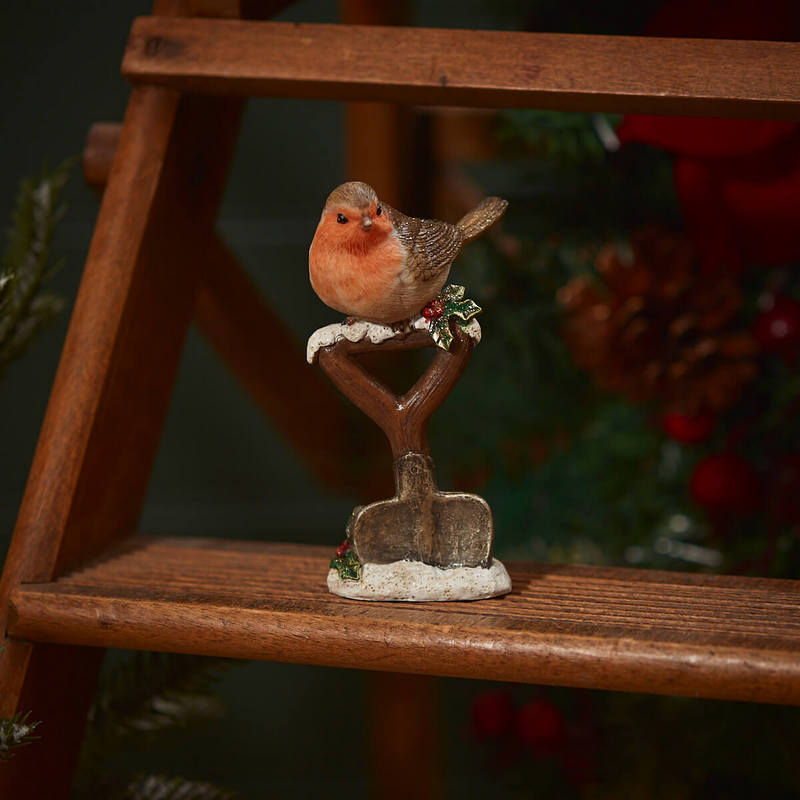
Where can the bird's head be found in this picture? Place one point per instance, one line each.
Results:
(354, 217)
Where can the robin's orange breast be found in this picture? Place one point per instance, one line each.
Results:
(359, 282)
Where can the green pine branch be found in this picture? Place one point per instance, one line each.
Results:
(160, 787)
(15, 733)
(26, 264)
(151, 692)
(143, 695)
(565, 136)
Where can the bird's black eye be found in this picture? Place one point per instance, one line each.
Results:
(341, 219)
(378, 212)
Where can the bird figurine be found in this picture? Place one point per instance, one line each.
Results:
(373, 263)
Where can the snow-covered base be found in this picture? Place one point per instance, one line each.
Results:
(376, 333)
(413, 581)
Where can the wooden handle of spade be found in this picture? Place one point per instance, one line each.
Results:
(404, 419)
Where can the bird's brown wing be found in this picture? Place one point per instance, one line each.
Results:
(432, 245)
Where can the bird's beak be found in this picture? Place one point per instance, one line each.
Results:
(366, 222)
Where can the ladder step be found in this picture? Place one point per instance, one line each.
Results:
(605, 628)
(496, 69)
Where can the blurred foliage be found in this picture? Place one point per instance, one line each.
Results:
(576, 475)
(159, 787)
(16, 732)
(614, 17)
(568, 138)
(24, 311)
(141, 696)
(26, 266)
(642, 747)
(570, 472)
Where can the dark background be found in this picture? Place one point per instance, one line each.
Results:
(221, 470)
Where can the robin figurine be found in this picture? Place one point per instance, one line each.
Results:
(374, 263)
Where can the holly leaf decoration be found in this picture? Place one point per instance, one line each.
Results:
(450, 303)
(347, 565)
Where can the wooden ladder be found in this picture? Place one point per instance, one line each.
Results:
(77, 580)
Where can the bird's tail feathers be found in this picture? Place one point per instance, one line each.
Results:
(483, 216)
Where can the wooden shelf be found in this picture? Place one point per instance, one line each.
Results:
(626, 629)
(467, 68)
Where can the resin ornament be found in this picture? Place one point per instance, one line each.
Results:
(371, 262)
(386, 271)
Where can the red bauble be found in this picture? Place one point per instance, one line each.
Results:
(726, 484)
(777, 330)
(492, 714)
(738, 181)
(540, 725)
(688, 428)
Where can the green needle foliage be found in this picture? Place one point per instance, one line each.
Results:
(143, 695)
(570, 138)
(160, 787)
(15, 733)
(149, 692)
(26, 266)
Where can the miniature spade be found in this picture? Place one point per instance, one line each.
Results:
(420, 523)
(382, 268)
(421, 544)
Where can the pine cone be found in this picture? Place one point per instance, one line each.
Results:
(659, 330)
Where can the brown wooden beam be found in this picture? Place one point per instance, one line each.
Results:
(471, 68)
(623, 629)
(257, 347)
(112, 387)
(406, 758)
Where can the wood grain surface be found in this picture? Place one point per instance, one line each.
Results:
(635, 630)
(468, 68)
(112, 388)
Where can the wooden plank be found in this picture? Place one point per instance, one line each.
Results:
(113, 384)
(58, 690)
(624, 629)
(73, 408)
(136, 299)
(468, 68)
(405, 743)
(381, 137)
(256, 346)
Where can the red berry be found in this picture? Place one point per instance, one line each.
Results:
(725, 484)
(342, 548)
(541, 726)
(492, 714)
(688, 428)
(777, 330)
(433, 310)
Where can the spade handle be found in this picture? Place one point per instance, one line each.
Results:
(403, 418)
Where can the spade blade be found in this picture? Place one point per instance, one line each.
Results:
(420, 523)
